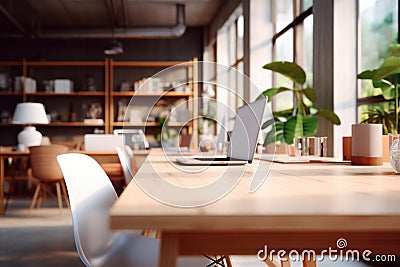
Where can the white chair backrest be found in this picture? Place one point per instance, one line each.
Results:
(91, 195)
(126, 157)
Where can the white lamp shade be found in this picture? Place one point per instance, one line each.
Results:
(30, 113)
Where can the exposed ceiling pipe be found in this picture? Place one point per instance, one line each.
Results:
(123, 33)
(12, 20)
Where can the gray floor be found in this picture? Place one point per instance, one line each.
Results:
(44, 238)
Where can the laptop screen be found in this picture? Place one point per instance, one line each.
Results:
(102, 142)
(245, 130)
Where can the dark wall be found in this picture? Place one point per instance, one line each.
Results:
(184, 48)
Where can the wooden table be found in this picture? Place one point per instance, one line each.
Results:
(300, 206)
(100, 156)
(7, 152)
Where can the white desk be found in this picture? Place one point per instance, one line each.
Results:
(300, 206)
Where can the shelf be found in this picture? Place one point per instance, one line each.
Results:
(75, 124)
(10, 64)
(66, 64)
(166, 94)
(67, 94)
(150, 124)
(8, 124)
(56, 124)
(150, 64)
(11, 93)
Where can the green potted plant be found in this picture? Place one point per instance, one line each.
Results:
(301, 120)
(387, 79)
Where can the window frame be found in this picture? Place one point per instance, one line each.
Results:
(297, 25)
(371, 100)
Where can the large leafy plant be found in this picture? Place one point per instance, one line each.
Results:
(301, 120)
(387, 79)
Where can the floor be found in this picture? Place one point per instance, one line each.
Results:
(44, 238)
(41, 238)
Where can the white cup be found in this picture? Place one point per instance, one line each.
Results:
(366, 144)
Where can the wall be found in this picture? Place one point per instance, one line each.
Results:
(186, 47)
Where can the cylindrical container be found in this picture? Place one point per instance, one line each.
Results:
(318, 146)
(366, 144)
(301, 146)
(346, 147)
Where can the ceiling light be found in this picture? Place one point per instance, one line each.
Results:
(115, 48)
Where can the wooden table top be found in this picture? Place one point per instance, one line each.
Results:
(297, 197)
(10, 151)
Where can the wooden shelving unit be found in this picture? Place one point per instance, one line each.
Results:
(139, 97)
(107, 93)
(166, 94)
(79, 97)
(72, 94)
(150, 124)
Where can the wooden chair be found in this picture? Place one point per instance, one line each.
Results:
(45, 168)
(15, 174)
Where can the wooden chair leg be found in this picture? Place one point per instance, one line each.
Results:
(12, 184)
(309, 263)
(272, 263)
(285, 262)
(59, 199)
(35, 196)
(64, 191)
(228, 261)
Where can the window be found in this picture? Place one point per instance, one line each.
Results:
(292, 41)
(230, 52)
(378, 29)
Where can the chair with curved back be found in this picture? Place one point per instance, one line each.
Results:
(91, 196)
(45, 169)
(128, 163)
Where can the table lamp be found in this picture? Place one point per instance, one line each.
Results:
(28, 114)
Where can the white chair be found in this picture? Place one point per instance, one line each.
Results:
(91, 196)
(128, 163)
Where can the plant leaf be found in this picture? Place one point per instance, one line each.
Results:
(394, 50)
(309, 93)
(275, 134)
(367, 75)
(270, 138)
(386, 87)
(379, 115)
(288, 69)
(283, 113)
(269, 93)
(329, 115)
(310, 125)
(390, 66)
(299, 126)
(393, 78)
(267, 123)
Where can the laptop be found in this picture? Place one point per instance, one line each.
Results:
(102, 142)
(243, 139)
(134, 138)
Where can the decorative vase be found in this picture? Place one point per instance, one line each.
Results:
(395, 156)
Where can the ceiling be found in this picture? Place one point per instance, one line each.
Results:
(32, 17)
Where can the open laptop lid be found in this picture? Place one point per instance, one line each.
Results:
(102, 142)
(245, 131)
